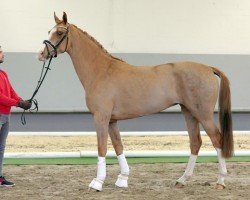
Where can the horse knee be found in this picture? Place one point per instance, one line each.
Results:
(118, 145)
(102, 151)
(195, 146)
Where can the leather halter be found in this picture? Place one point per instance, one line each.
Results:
(53, 52)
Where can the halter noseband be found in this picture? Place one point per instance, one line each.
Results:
(53, 52)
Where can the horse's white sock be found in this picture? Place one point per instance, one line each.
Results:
(123, 164)
(97, 182)
(189, 169)
(122, 180)
(101, 168)
(222, 168)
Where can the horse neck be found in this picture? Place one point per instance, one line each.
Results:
(88, 58)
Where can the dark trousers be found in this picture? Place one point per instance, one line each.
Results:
(4, 130)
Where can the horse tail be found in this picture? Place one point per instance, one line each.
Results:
(225, 115)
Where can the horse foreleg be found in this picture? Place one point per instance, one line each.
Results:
(101, 124)
(195, 144)
(122, 180)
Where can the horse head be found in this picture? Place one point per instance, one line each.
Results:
(57, 41)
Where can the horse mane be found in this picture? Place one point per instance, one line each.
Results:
(97, 43)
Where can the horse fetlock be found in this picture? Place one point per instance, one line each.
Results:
(221, 179)
(184, 178)
(101, 178)
(220, 186)
(179, 185)
(96, 184)
(125, 172)
(122, 181)
(221, 182)
(223, 174)
(181, 182)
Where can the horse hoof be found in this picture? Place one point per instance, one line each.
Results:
(178, 185)
(96, 184)
(122, 181)
(219, 186)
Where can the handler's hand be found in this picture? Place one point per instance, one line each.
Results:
(24, 104)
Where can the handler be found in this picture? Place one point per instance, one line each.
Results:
(8, 98)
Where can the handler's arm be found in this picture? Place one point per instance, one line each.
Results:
(6, 101)
(14, 95)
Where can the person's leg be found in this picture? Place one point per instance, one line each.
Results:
(4, 130)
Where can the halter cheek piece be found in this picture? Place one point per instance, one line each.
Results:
(53, 52)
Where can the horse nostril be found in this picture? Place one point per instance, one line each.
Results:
(40, 52)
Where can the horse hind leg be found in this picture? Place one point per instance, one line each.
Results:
(114, 133)
(215, 136)
(195, 144)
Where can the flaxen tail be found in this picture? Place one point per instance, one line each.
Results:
(225, 115)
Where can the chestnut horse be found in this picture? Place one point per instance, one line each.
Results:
(116, 90)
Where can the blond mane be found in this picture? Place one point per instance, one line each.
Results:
(97, 43)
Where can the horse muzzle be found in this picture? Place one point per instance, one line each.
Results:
(40, 56)
(51, 49)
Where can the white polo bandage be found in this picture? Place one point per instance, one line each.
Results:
(101, 168)
(222, 167)
(222, 162)
(189, 169)
(123, 164)
(191, 164)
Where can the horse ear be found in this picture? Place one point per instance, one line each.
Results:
(57, 20)
(64, 18)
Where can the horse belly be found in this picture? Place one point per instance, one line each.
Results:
(132, 108)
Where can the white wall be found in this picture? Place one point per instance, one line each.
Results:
(142, 26)
(159, 30)
(25, 24)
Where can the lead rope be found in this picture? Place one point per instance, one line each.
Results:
(32, 100)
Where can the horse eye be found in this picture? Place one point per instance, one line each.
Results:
(59, 33)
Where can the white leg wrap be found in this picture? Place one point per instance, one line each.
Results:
(97, 182)
(101, 168)
(123, 164)
(222, 168)
(122, 180)
(189, 170)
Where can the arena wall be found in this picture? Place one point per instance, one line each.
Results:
(141, 32)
